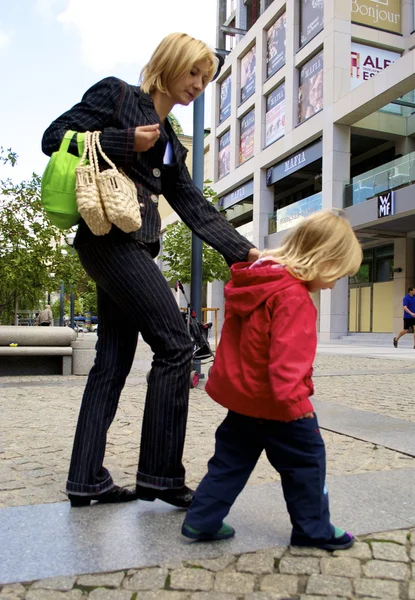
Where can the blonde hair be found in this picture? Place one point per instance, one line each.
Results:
(173, 58)
(323, 245)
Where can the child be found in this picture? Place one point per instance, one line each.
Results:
(262, 374)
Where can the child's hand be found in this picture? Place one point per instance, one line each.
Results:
(308, 415)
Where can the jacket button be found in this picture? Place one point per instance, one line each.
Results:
(156, 172)
(154, 198)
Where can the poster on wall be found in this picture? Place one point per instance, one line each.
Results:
(310, 91)
(311, 19)
(275, 115)
(246, 145)
(248, 74)
(367, 61)
(276, 46)
(379, 14)
(225, 99)
(224, 155)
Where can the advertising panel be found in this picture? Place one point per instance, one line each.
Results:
(224, 154)
(379, 14)
(276, 46)
(311, 19)
(225, 99)
(248, 74)
(246, 145)
(275, 115)
(310, 90)
(367, 61)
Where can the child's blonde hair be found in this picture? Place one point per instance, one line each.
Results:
(173, 58)
(323, 245)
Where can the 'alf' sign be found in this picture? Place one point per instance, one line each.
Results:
(386, 204)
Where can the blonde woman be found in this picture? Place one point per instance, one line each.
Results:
(262, 375)
(133, 295)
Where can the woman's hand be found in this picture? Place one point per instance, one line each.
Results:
(145, 137)
(308, 415)
(253, 255)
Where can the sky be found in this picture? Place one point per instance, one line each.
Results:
(52, 51)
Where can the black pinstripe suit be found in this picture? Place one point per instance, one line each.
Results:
(133, 296)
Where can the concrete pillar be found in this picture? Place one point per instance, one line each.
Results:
(240, 18)
(405, 145)
(291, 73)
(407, 17)
(220, 20)
(334, 307)
(263, 206)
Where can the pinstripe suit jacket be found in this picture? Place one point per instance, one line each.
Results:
(117, 108)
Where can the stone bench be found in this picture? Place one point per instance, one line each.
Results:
(39, 350)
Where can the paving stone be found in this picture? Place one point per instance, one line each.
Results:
(400, 537)
(377, 588)
(163, 595)
(340, 566)
(275, 552)
(101, 579)
(389, 551)
(53, 595)
(147, 579)
(299, 565)
(267, 596)
(213, 564)
(411, 590)
(283, 584)
(212, 596)
(191, 579)
(299, 551)
(234, 583)
(10, 596)
(327, 585)
(308, 597)
(260, 563)
(360, 550)
(14, 588)
(109, 594)
(61, 584)
(381, 569)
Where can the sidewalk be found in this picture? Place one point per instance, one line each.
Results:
(366, 407)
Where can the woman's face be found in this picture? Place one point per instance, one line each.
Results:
(190, 86)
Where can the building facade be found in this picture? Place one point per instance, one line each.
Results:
(314, 108)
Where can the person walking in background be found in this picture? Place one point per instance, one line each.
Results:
(408, 303)
(45, 317)
(137, 137)
(262, 375)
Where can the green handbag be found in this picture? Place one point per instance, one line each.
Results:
(58, 195)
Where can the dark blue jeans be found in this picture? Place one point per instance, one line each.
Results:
(295, 449)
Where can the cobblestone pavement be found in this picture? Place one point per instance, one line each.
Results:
(36, 431)
(377, 566)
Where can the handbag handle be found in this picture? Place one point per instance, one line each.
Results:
(68, 137)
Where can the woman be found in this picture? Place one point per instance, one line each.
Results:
(137, 136)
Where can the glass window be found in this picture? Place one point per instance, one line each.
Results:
(246, 144)
(310, 90)
(248, 74)
(224, 154)
(275, 115)
(225, 99)
(311, 19)
(276, 46)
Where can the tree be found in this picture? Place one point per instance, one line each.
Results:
(30, 247)
(177, 244)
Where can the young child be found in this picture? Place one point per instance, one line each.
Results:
(262, 374)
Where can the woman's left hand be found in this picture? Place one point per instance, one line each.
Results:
(253, 255)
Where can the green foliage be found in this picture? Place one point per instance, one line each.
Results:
(34, 255)
(177, 252)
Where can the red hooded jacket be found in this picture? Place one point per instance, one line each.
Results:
(263, 364)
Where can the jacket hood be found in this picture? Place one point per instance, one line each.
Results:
(252, 284)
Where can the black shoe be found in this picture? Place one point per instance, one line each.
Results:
(395, 343)
(180, 497)
(115, 495)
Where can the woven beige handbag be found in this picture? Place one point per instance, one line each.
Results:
(88, 197)
(118, 194)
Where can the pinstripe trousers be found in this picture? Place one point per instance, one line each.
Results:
(133, 297)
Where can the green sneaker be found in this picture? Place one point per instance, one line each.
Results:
(224, 533)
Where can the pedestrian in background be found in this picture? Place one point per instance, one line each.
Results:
(263, 375)
(137, 137)
(45, 317)
(408, 303)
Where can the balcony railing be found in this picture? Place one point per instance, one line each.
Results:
(291, 215)
(391, 175)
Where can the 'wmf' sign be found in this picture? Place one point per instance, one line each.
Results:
(386, 204)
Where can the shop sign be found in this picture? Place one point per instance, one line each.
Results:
(386, 204)
(380, 14)
(241, 193)
(291, 215)
(367, 61)
(295, 162)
